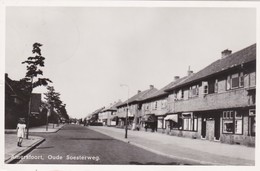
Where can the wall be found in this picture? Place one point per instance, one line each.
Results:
(243, 139)
(228, 99)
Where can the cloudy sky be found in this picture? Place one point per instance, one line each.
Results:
(90, 51)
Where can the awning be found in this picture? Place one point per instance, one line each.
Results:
(148, 118)
(172, 117)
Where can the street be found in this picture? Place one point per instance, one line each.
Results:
(75, 144)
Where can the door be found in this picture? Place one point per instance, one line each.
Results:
(217, 128)
(203, 128)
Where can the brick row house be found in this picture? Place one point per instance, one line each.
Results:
(134, 104)
(155, 108)
(93, 118)
(108, 115)
(218, 102)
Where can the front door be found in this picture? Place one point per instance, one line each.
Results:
(203, 128)
(217, 128)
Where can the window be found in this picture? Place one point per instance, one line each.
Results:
(155, 105)
(163, 103)
(235, 80)
(205, 87)
(252, 79)
(147, 106)
(194, 91)
(182, 94)
(241, 79)
(251, 124)
(190, 123)
(216, 85)
(232, 122)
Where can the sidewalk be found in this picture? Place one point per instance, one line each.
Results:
(39, 129)
(12, 151)
(191, 151)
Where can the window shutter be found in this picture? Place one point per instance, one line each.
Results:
(216, 86)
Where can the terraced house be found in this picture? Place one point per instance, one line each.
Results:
(155, 108)
(134, 104)
(218, 102)
(107, 115)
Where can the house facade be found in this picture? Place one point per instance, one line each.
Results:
(132, 108)
(17, 105)
(108, 115)
(155, 107)
(218, 102)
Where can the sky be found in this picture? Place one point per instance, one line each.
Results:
(90, 51)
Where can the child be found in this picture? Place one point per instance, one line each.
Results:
(20, 131)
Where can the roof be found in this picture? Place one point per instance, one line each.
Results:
(243, 56)
(98, 111)
(162, 91)
(139, 96)
(14, 88)
(112, 107)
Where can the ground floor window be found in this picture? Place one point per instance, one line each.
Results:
(190, 122)
(232, 122)
(251, 124)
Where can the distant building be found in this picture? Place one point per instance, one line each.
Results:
(155, 107)
(107, 115)
(134, 104)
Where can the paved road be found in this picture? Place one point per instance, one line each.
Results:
(75, 144)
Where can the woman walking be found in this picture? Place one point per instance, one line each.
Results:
(20, 131)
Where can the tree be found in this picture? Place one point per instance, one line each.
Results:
(53, 99)
(33, 71)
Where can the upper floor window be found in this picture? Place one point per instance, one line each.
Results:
(252, 79)
(163, 103)
(235, 80)
(194, 91)
(147, 107)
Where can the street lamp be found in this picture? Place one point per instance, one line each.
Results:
(126, 118)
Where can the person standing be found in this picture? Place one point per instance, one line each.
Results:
(20, 131)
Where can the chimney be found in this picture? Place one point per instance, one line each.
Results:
(138, 91)
(225, 53)
(151, 86)
(189, 72)
(176, 78)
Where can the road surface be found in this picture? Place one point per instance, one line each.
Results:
(75, 144)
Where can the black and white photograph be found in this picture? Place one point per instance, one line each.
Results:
(120, 85)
